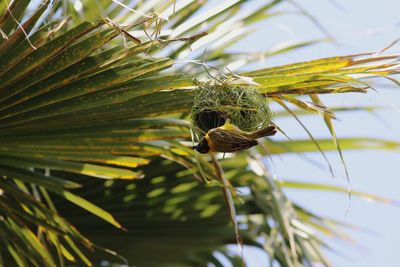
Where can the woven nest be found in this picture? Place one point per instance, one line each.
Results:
(214, 103)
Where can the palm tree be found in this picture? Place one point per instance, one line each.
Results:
(95, 141)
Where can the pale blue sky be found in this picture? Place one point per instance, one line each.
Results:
(358, 26)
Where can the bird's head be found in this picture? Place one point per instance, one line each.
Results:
(202, 147)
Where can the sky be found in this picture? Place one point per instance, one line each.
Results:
(357, 26)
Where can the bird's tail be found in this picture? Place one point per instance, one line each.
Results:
(268, 131)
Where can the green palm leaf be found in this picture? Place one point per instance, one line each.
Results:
(85, 97)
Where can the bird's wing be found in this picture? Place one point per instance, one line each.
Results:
(268, 131)
(228, 141)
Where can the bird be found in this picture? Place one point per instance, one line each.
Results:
(229, 138)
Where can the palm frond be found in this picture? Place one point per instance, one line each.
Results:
(92, 103)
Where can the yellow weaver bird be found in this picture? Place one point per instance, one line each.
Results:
(229, 138)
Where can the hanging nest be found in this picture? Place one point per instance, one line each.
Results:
(243, 105)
